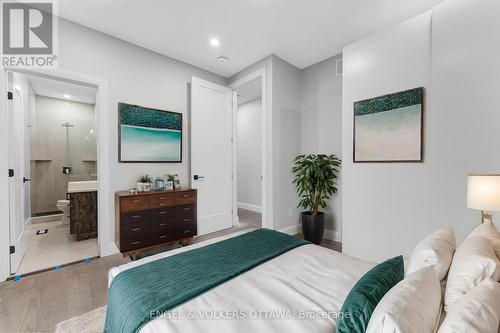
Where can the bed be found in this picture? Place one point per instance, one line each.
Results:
(301, 290)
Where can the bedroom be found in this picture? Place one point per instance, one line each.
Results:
(311, 77)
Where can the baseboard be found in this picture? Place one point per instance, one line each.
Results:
(328, 234)
(247, 206)
(332, 235)
(292, 230)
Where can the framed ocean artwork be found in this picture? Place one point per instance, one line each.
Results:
(389, 128)
(148, 135)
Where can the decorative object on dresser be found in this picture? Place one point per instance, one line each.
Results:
(389, 128)
(315, 179)
(144, 183)
(483, 193)
(153, 218)
(149, 135)
(159, 184)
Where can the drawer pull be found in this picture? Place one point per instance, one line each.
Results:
(186, 195)
(163, 198)
(136, 229)
(163, 204)
(136, 201)
(135, 243)
(163, 212)
(162, 224)
(187, 231)
(186, 209)
(136, 216)
(163, 236)
(187, 220)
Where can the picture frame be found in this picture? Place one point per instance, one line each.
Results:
(148, 135)
(389, 128)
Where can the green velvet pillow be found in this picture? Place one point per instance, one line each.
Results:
(366, 293)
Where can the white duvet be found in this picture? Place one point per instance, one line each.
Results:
(299, 291)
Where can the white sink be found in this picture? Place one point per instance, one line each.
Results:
(82, 186)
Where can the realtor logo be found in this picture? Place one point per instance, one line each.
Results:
(28, 37)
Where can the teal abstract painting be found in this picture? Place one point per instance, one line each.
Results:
(149, 135)
(389, 128)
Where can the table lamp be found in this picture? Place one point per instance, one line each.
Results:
(483, 193)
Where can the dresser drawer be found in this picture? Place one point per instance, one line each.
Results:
(163, 213)
(130, 244)
(135, 218)
(162, 237)
(186, 225)
(161, 200)
(167, 224)
(133, 204)
(186, 230)
(185, 198)
(134, 230)
(186, 210)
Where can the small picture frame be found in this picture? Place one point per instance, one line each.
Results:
(169, 185)
(177, 184)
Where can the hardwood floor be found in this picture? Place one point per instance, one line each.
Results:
(38, 302)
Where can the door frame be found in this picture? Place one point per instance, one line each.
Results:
(105, 212)
(266, 147)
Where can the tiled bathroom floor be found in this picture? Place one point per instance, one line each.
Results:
(56, 247)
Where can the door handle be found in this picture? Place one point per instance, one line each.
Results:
(196, 177)
(26, 180)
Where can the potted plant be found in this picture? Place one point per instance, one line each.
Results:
(316, 181)
(144, 183)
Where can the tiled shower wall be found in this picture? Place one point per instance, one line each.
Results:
(53, 146)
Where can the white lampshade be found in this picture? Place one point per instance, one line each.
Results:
(483, 192)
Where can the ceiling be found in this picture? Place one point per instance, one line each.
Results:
(58, 89)
(249, 91)
(302, 32)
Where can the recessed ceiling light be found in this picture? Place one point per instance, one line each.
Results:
(214, 42)
(67, 96)
(222, 60)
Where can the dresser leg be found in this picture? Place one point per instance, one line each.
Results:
(186, 241)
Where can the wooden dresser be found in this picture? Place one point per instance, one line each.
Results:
(152, 218)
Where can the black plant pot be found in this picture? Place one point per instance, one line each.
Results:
(313, 226)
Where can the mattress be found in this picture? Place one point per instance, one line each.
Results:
(301, 290)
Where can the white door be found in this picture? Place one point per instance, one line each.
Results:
(211, 154)
(16, 161)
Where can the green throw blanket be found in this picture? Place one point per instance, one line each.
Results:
(158, 286)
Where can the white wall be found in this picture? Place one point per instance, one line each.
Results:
(283, 96)
(286, 142)
(387, 208)
(135, 75)
(321, 124)
(249, 154)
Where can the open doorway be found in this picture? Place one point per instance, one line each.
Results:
(54, 185)
(249, 153)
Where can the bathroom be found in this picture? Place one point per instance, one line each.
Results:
(60, 157)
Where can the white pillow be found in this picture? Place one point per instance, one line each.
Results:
(434, 250)
(473, 262)
(487, 230)
(476, 312)
(412, 305)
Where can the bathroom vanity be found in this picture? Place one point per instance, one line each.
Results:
(82, 197)
(152, 218)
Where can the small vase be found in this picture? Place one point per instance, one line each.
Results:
(147, 187)
(139, 187)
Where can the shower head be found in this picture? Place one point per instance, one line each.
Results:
(67, 124)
